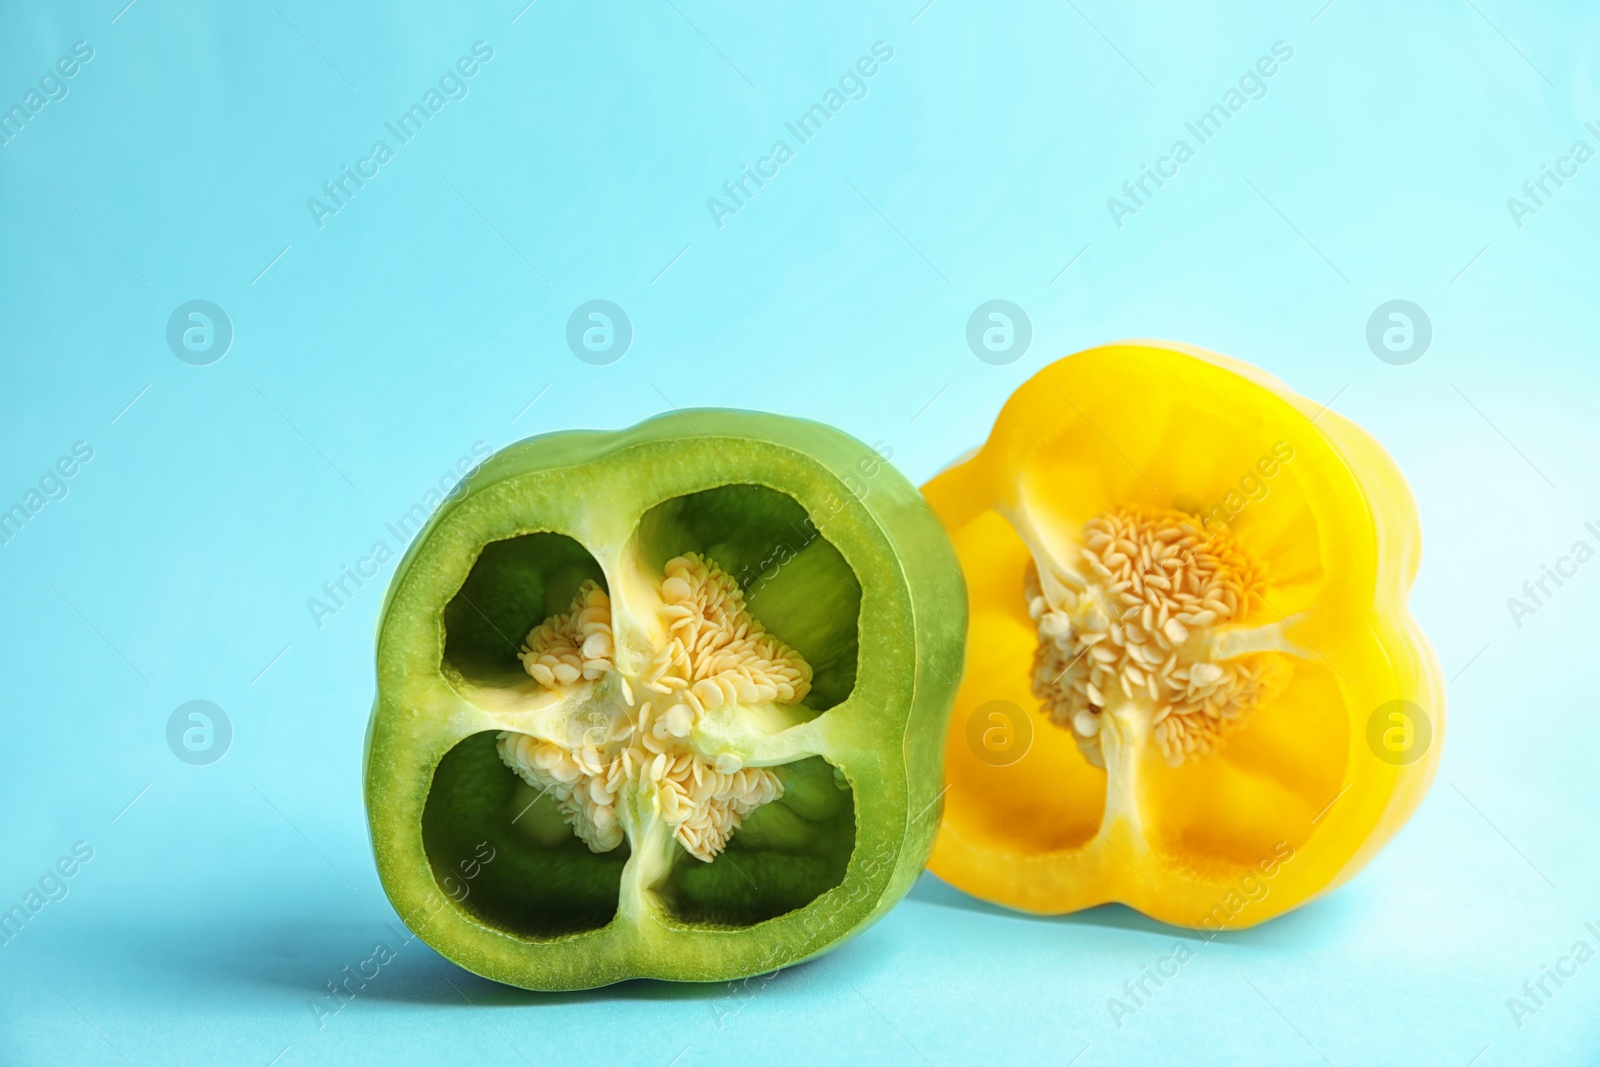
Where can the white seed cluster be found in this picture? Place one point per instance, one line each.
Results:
(583, 783)
(1133, 626)
(715, 654)
(576, 645)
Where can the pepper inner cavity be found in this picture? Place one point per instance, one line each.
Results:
(633, 742)
(1134, 631)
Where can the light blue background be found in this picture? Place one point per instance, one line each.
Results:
(430, 312)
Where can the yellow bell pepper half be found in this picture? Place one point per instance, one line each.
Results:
(1193, 684)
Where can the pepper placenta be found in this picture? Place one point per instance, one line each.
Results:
(684, 685)
(1193, 684)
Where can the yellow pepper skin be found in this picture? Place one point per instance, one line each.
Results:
(1253, 756)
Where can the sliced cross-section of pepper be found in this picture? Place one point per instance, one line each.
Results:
(1194, 582)
(666, 702)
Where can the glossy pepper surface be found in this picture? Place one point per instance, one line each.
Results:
(667, 702)
(1193, 684)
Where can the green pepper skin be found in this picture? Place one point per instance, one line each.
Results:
(885, 738)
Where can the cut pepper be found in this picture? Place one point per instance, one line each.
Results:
(667, 702)
(1193, 685)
